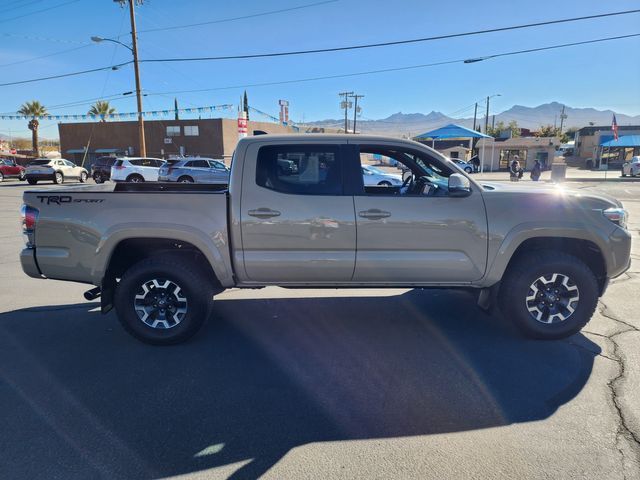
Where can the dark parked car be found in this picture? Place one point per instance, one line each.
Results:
(9, 169)
(101, 169)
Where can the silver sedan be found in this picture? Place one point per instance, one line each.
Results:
(195, 170)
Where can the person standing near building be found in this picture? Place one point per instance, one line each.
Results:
(515, 172)
(536, 171)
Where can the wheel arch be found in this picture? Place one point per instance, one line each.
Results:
(126, 250)
(584, 249)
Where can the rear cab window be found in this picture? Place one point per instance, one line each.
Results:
(295, 169)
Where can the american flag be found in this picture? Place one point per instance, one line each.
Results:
(614, 127)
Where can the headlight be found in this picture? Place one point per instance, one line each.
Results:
(617, 215)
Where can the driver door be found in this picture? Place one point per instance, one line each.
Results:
(414, 239)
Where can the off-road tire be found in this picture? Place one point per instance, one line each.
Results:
(515, 287)
(194, 285)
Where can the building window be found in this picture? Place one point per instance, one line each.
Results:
(507, 156)
(173, 131)
(191, 131)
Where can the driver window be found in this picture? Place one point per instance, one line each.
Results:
(388, 171)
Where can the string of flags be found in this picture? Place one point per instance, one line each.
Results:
(118, 116)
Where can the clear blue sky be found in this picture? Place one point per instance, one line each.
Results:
(602, 76)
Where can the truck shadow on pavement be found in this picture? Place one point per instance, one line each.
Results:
(263, 377)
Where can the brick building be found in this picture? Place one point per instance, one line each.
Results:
(212, 137)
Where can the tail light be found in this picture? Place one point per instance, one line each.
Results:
(29, 217)
(119, 167)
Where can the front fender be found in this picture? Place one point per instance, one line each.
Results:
(524, 231)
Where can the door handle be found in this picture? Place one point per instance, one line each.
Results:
(264, 213)
(374, 214)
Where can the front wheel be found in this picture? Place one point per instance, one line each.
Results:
(83, 177)
(163, 301)
(468, 170)
(98, 178)
(1, 177)
(549, 294)
(185, 180)
(32, 181)
(384, 183)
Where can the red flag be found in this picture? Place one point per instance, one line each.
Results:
(614, 127)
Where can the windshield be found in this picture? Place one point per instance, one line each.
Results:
(40, 162)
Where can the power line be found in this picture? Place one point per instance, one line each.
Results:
(21, 6)
(397, 42)
(60, 52)
(72, 74)
(4, 20)
(396, 69)
(232, 19)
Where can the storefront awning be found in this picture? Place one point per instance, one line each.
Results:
(109, 150)
(75, 150)
(624, 141)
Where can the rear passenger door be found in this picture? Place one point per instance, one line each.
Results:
(296, 226)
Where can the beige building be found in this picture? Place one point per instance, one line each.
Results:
(589, 139)
(497, 154)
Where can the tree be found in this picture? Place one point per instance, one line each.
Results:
(33, 109)
(548, 131)
(102, 109)
(501, 127)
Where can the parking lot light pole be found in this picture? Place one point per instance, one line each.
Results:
(134, 51)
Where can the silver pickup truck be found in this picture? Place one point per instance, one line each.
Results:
(160, 252)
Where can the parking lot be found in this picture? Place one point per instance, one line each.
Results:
(315, 384)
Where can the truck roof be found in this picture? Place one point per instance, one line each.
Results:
(324, 137)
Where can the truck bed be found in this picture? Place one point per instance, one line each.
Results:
(78, 228)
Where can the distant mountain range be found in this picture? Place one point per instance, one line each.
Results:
(411, 124)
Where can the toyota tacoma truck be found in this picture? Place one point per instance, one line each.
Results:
(160, 252)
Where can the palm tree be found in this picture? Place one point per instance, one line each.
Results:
(102, 109)
(33, 109)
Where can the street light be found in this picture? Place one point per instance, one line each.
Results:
(101, 39)
(486, 125)
(134, 51)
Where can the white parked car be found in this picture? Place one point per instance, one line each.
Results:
(55, 170)
(375, 176)
(466, 166)
(632, 167)
(136, 169)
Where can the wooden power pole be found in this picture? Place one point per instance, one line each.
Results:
(136, 69)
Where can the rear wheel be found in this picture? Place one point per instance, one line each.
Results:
(21, 177)
(384, 183)
(549, 294)
(32, 181)
(135, 178)
(58, 178)
(98, 178)
(163, 301)
(1, 177)
(185, 179)
(83, 177)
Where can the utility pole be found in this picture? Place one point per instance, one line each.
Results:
(475, 114)
(562, 117)
(355, 110)
(486, 117)
(136, 69)
(345, 104)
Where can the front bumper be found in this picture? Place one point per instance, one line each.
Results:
(620, 253)
(29, 264)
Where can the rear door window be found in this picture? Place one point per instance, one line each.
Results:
(310, 170)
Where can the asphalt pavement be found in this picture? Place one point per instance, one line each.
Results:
(307, 384)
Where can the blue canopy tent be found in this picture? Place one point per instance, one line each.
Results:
(453, 131)
(623, 142)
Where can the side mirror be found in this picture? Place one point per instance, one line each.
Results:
(459, 185)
